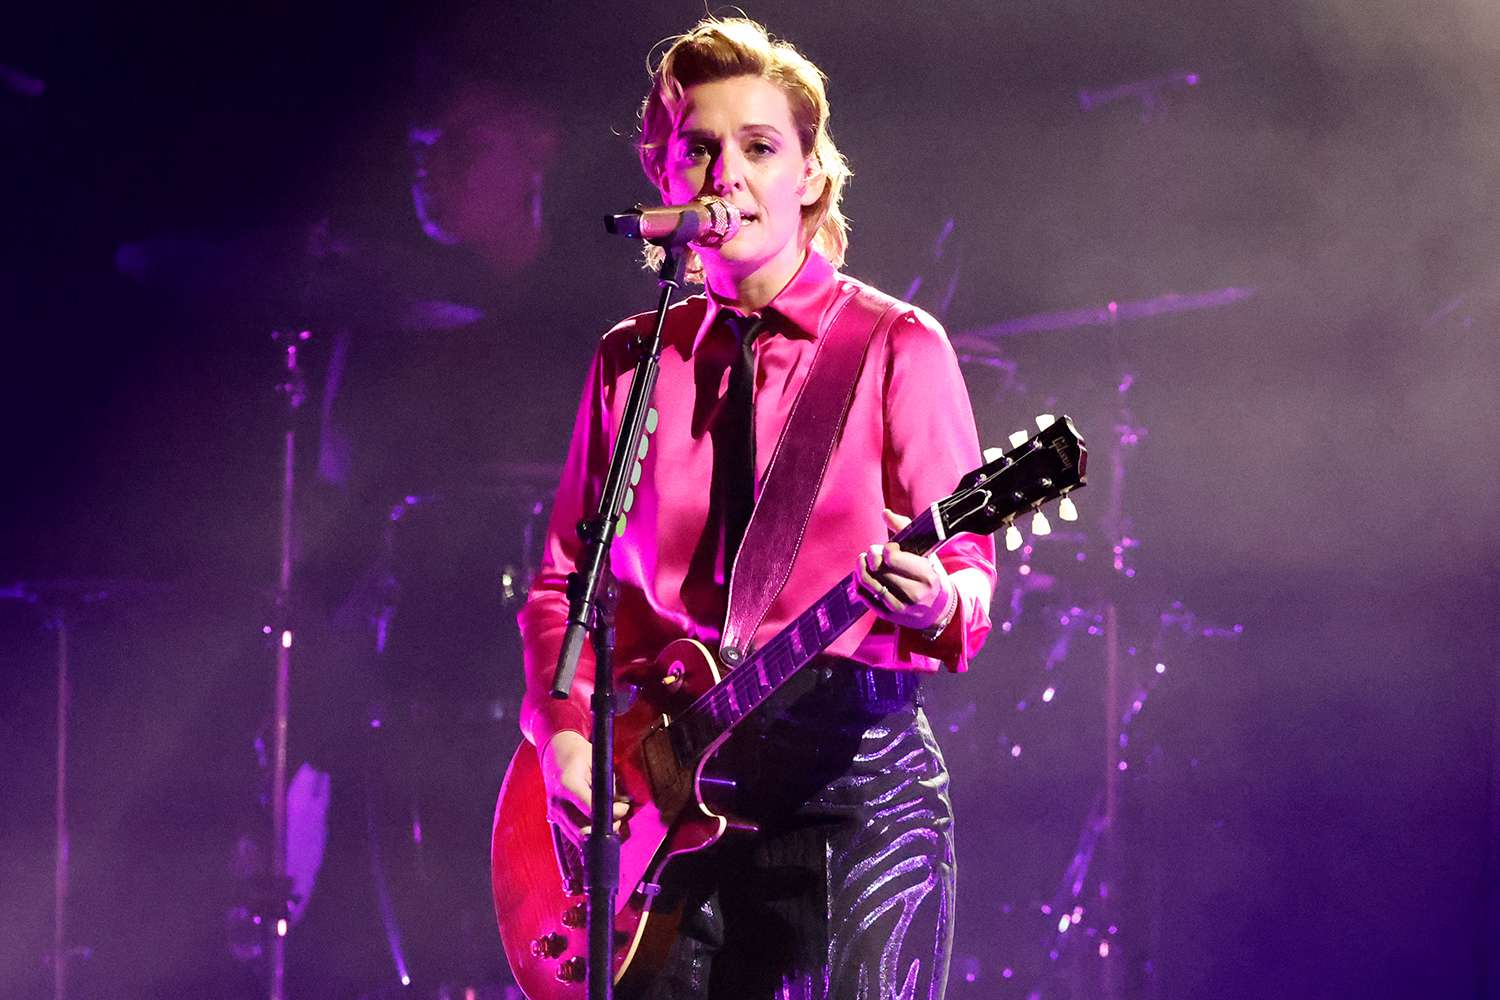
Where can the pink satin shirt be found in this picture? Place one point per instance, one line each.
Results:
(908, 438)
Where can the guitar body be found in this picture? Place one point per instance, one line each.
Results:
(543, 925)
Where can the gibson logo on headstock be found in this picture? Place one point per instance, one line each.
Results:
(1059, 444)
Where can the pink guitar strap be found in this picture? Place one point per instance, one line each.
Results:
(795, 472)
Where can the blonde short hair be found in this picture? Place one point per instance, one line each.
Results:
(720, 48)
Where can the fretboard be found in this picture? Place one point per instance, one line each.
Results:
(720, 708)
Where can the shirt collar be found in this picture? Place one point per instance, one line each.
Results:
(803, 302)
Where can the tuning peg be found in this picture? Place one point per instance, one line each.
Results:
(1012, 538)
(1019, 438)
(1040, 525)
(991, 454)
(1045, 420)
(1067, 510)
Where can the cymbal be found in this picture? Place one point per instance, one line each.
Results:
(1109, 314)
(527, 481)
(79, 590)
(310, 272)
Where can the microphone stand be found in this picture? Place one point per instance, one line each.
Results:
(588, 611)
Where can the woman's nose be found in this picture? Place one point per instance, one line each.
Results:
(728, 172)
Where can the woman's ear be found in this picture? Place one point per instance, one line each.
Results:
(813, 181)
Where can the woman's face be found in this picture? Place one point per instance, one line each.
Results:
(736, 140)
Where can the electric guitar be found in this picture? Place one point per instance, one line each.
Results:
(685, 707)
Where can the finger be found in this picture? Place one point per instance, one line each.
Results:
(864, 583)
(892, 594)
(579, 813)
(575, 798)
(907, 583)
(567, 819)
(895, 521)
(567, 810)
(887, 596)
(582, 808)
(579, 794)
(870, 588)
(908, 566)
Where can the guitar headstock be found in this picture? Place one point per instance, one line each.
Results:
(1040, 526)
(1043, 467)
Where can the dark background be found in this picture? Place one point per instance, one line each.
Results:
(1311, 806)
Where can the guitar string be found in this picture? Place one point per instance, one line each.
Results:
(743, 682)
(733, 688)
(719, 707)
(741, 690)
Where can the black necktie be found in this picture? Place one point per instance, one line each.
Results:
(737, 441)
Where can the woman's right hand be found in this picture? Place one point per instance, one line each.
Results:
(568, 773)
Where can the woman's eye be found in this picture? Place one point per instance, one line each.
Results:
(762, 148)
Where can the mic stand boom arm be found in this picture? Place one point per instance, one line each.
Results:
(587, 612)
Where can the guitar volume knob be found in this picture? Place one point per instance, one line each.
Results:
(549, 945)
(573, 970)
(576, 915)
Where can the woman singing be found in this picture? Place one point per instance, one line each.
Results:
(846, 887)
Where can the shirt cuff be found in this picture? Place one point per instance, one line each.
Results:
(550, 716)
(965, 630)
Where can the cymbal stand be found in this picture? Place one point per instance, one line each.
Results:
(293, 387)
(59, 622)
(1128, 684)
(54, 597)
(1086, 902)
(1124, 434)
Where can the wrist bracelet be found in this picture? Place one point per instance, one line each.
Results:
(946, 618)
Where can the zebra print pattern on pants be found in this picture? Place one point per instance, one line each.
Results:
(847, 892)
(891, 875)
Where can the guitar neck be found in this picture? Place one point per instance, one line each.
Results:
(1045, 467)
(747, 686)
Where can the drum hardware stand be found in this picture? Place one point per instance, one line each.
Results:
(60, 955)
(588, 612)
(1100, 854)
(53, 596)
(57, 620)
(1115, 527)
(293, 388)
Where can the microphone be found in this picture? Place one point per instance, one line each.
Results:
(707, 221)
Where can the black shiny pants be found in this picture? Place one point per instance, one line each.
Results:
(846, 892)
